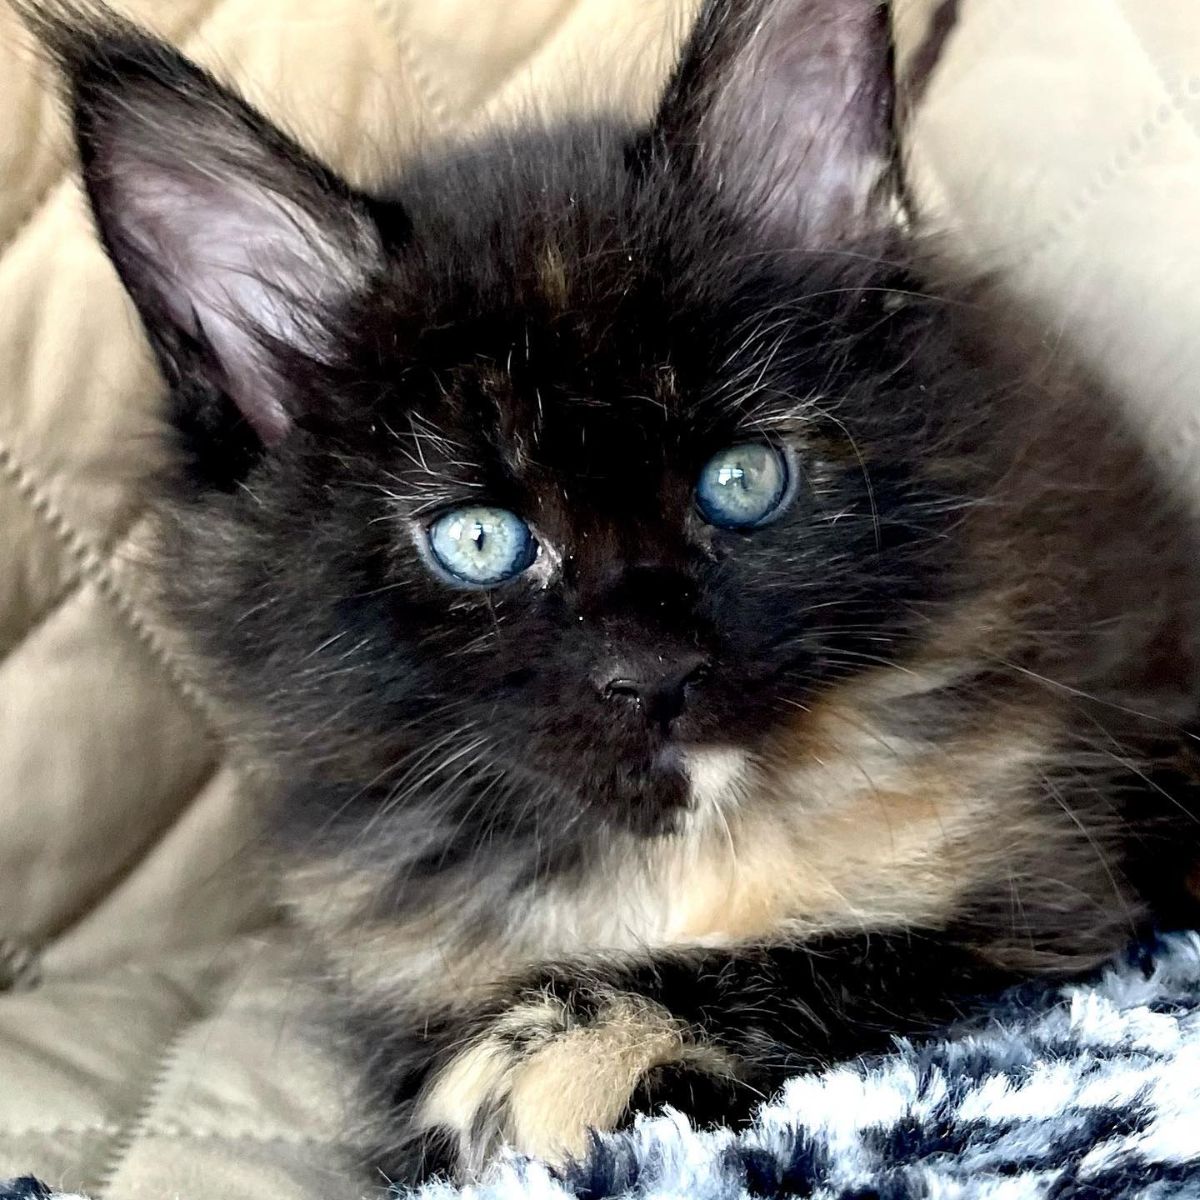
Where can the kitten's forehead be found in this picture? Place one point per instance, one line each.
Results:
(591, 417)
(571, 438)
(584, 339)
(592, 391)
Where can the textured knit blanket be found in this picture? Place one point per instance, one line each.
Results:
(1088, 1093)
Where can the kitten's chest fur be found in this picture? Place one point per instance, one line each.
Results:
(851, 826)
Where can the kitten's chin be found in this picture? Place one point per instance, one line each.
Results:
(648, 800)
(686, 779)
(675, 785)
(717, 776)
(693, 779)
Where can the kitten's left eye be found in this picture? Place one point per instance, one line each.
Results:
(743, 486)
(481, 545)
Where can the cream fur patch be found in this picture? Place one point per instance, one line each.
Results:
(538, 1082)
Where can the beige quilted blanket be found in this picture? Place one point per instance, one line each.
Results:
(156, 1049)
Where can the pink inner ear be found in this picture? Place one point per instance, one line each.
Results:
(255, 388)
(238, 263)
(790, 102)
(814, 111)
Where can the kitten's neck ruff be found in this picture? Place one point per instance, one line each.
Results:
(857, 828)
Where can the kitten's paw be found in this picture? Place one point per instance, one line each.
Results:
(544, 1073)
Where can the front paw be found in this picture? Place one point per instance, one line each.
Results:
(545, 1072)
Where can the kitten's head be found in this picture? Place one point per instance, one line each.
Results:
(568, 472)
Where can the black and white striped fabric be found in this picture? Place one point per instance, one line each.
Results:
(1090, 1093)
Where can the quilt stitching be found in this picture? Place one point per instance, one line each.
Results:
(1179, 94)
(62, 176)
(97, 568)
(180, 1133)
(177, 1133)
(127, 1138)
(1104, 180)
(429, 92)
(142, 853)
(984, 20)
(1175, 105)
(544, 39)
(70, 586)
(64, 1128)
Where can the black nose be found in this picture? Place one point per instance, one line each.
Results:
(657, 684)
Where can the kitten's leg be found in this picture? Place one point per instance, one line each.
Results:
(712, 1033)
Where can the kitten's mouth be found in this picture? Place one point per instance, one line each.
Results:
(647, 795)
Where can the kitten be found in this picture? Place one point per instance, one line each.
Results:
(689, 636)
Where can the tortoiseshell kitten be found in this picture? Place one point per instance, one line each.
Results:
(689, 637)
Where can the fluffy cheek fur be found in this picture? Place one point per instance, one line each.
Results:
(843, 823)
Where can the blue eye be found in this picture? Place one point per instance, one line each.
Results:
(480, 545)
(743, 486)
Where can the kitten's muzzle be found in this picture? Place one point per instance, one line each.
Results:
(657, 684)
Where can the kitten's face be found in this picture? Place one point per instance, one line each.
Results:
(568, 472)
(583, 529)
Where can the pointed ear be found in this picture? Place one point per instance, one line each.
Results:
(231, 240)
(784, 107)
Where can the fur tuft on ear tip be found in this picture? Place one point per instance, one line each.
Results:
(84, 39)
(62, 29)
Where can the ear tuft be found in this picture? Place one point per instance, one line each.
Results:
(785, 107)
(234, 243)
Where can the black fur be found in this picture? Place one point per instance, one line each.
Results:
(569, 323)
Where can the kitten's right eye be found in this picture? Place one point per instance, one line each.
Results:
(481, 546)
(744, 486)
